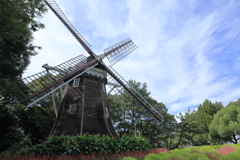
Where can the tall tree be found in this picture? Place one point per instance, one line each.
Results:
(205, 113)
(236, 103)
(36, 122)
(128, 114)
(18, 19)
(186, 127)
(131, 111)
(167, 131)
(226, 125)
(118, 109)
(9, 132)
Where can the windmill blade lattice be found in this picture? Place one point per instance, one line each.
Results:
(118, 90)
(29, 86)
(121, 52)
(58, 12)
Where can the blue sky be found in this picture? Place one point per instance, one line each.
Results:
(188, 50)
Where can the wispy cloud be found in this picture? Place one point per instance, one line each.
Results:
(188, 50)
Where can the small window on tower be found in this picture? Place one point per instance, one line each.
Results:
(72, 108)
(76, 82)
(107, 112)
(103, 87)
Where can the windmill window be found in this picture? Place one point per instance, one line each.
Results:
(76, 82)
(107, 112)
(72, 108)
(103, 88)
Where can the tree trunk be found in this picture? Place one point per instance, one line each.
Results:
(235, 140)
(180, 138)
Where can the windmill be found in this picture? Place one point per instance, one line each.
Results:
(84, 105)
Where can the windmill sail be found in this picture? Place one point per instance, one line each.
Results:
(120, 52)
(38, 85)
(58, 12)
(116, 78)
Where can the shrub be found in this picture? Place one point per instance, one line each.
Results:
(162, 154)
(212, 154)
(226, 149)
(129, 158)
(231, 156)
(205, 148)
(183, 152)
(237, 145)
(217, 146)
(159, 150)
(57, 145)
(193, 156)
(202, 157)
(152, 156)
(175, 157)
(195, 151)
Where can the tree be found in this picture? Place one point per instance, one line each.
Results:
(118, 112)
(237, 103)
(226, 125)
(126, 110)
(127, 114)
(9, 133)
(31, 124)
(36, 122)
(167, 131)
(186, 127)
(18, 22)
(205, 114)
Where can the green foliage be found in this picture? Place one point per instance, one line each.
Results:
(236, 103)
(23, 126)
(152, 156)
(205, 115)
(176, 157)
(237, 145)
(231, 156)
(200, 153)
(163, 154)
(57, 145)
(194, 153)
(202, 157)
(186, 127)
(9, 134)
(205, 148)
(212, 154)
(127, 114)
(193, 126)
(193, 156)
(216, 146)
(36, 122)
(167, 133)
(182, 152)
(18, 19)
(129, 158)
(226, 125)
